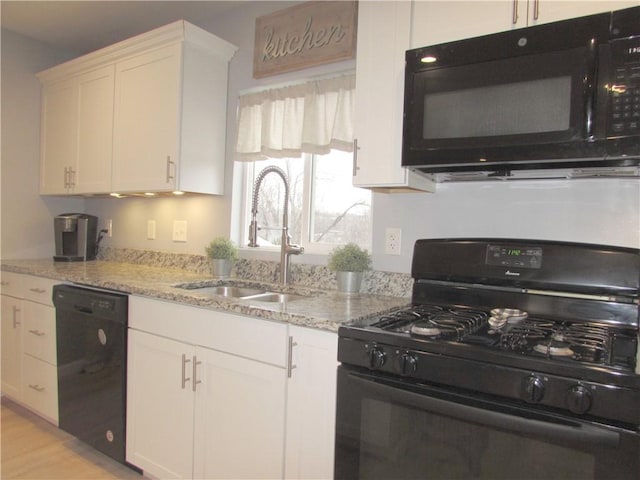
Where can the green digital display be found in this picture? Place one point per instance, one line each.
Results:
(514, 256)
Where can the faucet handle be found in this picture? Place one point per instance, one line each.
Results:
(253, 234)
(294, 249)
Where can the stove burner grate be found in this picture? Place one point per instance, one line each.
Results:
(452, 323)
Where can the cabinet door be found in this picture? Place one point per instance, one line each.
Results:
(11, 321)
(40, 387)
(95, 131)
(383, 37)
(311, 403)
(146, 121)
(39, 336)
(436, 22)
(58, 156)
(239, 426)
(545, 11)
(159, 406)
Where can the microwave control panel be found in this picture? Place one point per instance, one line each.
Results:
(625, 88)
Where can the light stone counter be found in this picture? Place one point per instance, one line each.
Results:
(322, 309)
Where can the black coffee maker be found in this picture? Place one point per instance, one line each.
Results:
(76, 237)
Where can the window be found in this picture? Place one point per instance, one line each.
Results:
(325, 210)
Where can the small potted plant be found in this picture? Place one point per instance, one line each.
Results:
(349, 262)
(222, 253)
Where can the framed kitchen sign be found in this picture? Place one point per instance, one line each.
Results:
(305, 35)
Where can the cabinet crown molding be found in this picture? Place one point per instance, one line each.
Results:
(179, 31)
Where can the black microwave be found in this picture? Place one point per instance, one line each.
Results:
(560, 95)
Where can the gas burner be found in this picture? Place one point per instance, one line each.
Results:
(450, 323)
(523, 336)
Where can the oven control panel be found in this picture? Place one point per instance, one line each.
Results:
(535, 388)
(516, 256)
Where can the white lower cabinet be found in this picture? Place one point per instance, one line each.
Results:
(311, 404)
(195, 411)
(216, 395)
(240, 408)
(29, 359)
(12, 347)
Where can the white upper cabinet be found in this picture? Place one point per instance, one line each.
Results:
(438, 22)
(77, 133)
(95, 131)
(144, 115)
(146, 135)
(58, 136)
(383, 37)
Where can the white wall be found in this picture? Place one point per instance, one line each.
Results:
(592, 211)
(27, 218)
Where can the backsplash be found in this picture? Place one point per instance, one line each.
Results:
(305, 275)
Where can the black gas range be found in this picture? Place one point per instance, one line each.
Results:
(535, 327)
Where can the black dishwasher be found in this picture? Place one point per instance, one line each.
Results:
(91, 330)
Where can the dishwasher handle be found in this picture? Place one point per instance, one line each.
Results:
(83, 309)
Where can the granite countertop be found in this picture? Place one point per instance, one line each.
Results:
(322, 309)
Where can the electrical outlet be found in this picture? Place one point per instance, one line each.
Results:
(393, 239)
(151, 229)
(109, 227)
(179, 230)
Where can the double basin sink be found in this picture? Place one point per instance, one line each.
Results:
(242, 293)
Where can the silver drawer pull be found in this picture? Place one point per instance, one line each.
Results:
(195, 380)
(37, 388)
(185, 379)
(16, 321)
(38, 333)
(290, 365)
(37, 290)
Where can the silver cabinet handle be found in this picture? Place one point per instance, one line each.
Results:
(15, 312)
(37, 388)
(290, 365)
(72, 177)
(169, 164)
(514, 12)
(66, 177)
(185, 360)
(536, 9)
(194, 373)
(37, 333)
(355, 157)
(37, 290)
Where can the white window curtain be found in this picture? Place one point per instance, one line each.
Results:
(313, 117)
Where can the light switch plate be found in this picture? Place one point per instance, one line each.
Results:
(179, 230)
(151, 229)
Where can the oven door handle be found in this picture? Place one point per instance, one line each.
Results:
(571, 431)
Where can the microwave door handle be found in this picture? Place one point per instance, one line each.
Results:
(576, 433)
(590, 89)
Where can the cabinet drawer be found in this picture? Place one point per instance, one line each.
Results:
(40, 387)
(38, 289)
(39, 334)
(253, 338)
(12, 284)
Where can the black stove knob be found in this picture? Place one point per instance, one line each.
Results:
(377, 358)
(533, 389)
(408, 364)
(579, 399)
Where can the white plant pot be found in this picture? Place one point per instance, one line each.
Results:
(349, 282)
(221, 267)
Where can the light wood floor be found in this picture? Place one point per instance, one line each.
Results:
(34, 449)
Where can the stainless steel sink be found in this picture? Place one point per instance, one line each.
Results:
(273, 297)
(229, 291)
(242, 293)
